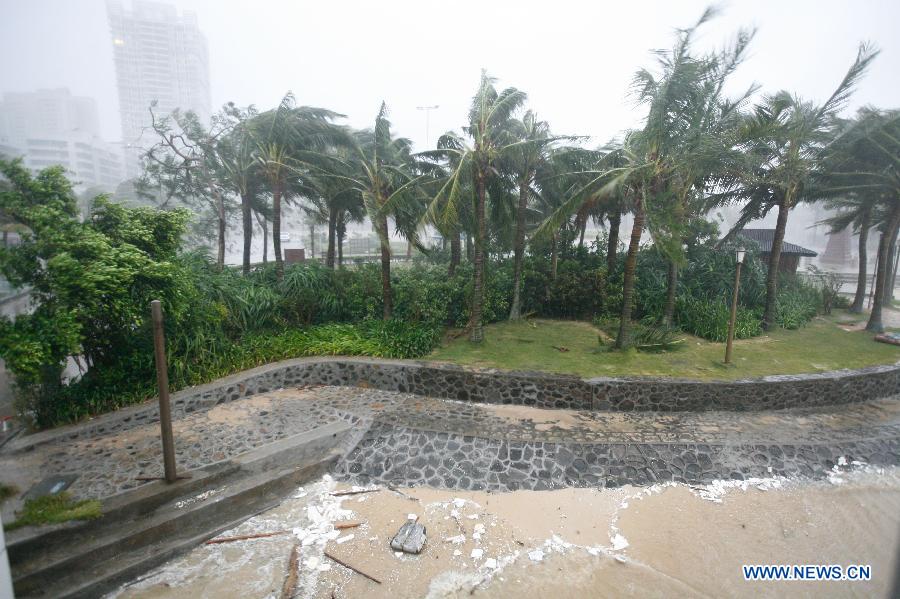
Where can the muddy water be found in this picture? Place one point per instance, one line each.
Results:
(670, 541)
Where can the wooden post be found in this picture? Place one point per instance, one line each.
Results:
(162, 382)
(734, 301)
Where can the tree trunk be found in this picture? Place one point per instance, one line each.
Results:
(884, 260)
(628, 283)
(554, 255)
(312, 240)
(332, 231)
(515, 311)
(341, 231)
(220, 213)
(455, 253)
(470, 252)
(860, 297)
(612, 245)
(276, 230)
(671, 292)
(889, 280)
(892, 281)
(583, 228)
(774, 263)
(386, 292)
(247, 225)
(264, 225)
(476, 334)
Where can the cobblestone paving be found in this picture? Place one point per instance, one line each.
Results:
(114, 462)
(408, 439)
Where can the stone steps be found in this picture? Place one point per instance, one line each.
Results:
(143, 528)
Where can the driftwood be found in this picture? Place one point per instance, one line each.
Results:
(342, 493)
(343, 525)
(261, 535)
(349, 567)
(402, 494)
(289, 588)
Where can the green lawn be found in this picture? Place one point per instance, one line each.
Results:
(822, 345)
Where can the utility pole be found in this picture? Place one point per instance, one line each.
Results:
(427, 110)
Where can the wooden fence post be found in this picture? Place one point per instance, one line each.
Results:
(162, 381)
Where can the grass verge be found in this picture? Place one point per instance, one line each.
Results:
(53, 509)
(572, 347)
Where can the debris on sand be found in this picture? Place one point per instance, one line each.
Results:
(410, 538)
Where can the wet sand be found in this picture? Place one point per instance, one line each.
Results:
(665, 541)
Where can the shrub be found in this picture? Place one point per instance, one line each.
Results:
(796, 305)
(709, 319)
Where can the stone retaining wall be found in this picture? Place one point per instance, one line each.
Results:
(535, 389)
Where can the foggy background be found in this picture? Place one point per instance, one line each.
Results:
(574, 59)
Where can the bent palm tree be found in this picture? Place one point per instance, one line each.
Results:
(382, 173)
(865, 161)
(784, 140)
(488, 130)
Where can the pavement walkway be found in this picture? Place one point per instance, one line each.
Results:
(408, 439)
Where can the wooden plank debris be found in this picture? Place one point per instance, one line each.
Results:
(261, 535)
(289, 588)
(343, 493)
(349, 567)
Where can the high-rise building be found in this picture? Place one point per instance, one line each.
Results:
(47, 112)
(160, 57)
(52, 127)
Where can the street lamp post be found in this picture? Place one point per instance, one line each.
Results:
(737, 283)
(427, 110)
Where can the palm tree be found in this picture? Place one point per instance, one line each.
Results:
(383, 175)
(524, 161)
(332, 198)
(291, 141)
(863, 162)
(854, 211)
(784, 139)
(652, 168)
(240, 168)
(488, 130)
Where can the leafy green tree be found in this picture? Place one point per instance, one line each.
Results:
(91, 282)
(186, 161)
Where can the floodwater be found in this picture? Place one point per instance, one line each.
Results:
(662, 541)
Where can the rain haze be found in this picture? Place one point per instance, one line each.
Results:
(574, 59)
(491, 298)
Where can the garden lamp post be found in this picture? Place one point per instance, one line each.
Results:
(737, 283)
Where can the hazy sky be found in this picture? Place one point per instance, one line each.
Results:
(574, 59)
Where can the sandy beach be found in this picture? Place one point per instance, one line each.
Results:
(661, 541)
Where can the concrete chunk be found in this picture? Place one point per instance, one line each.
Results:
(410, 538)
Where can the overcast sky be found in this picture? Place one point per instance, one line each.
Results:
(574, 59)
